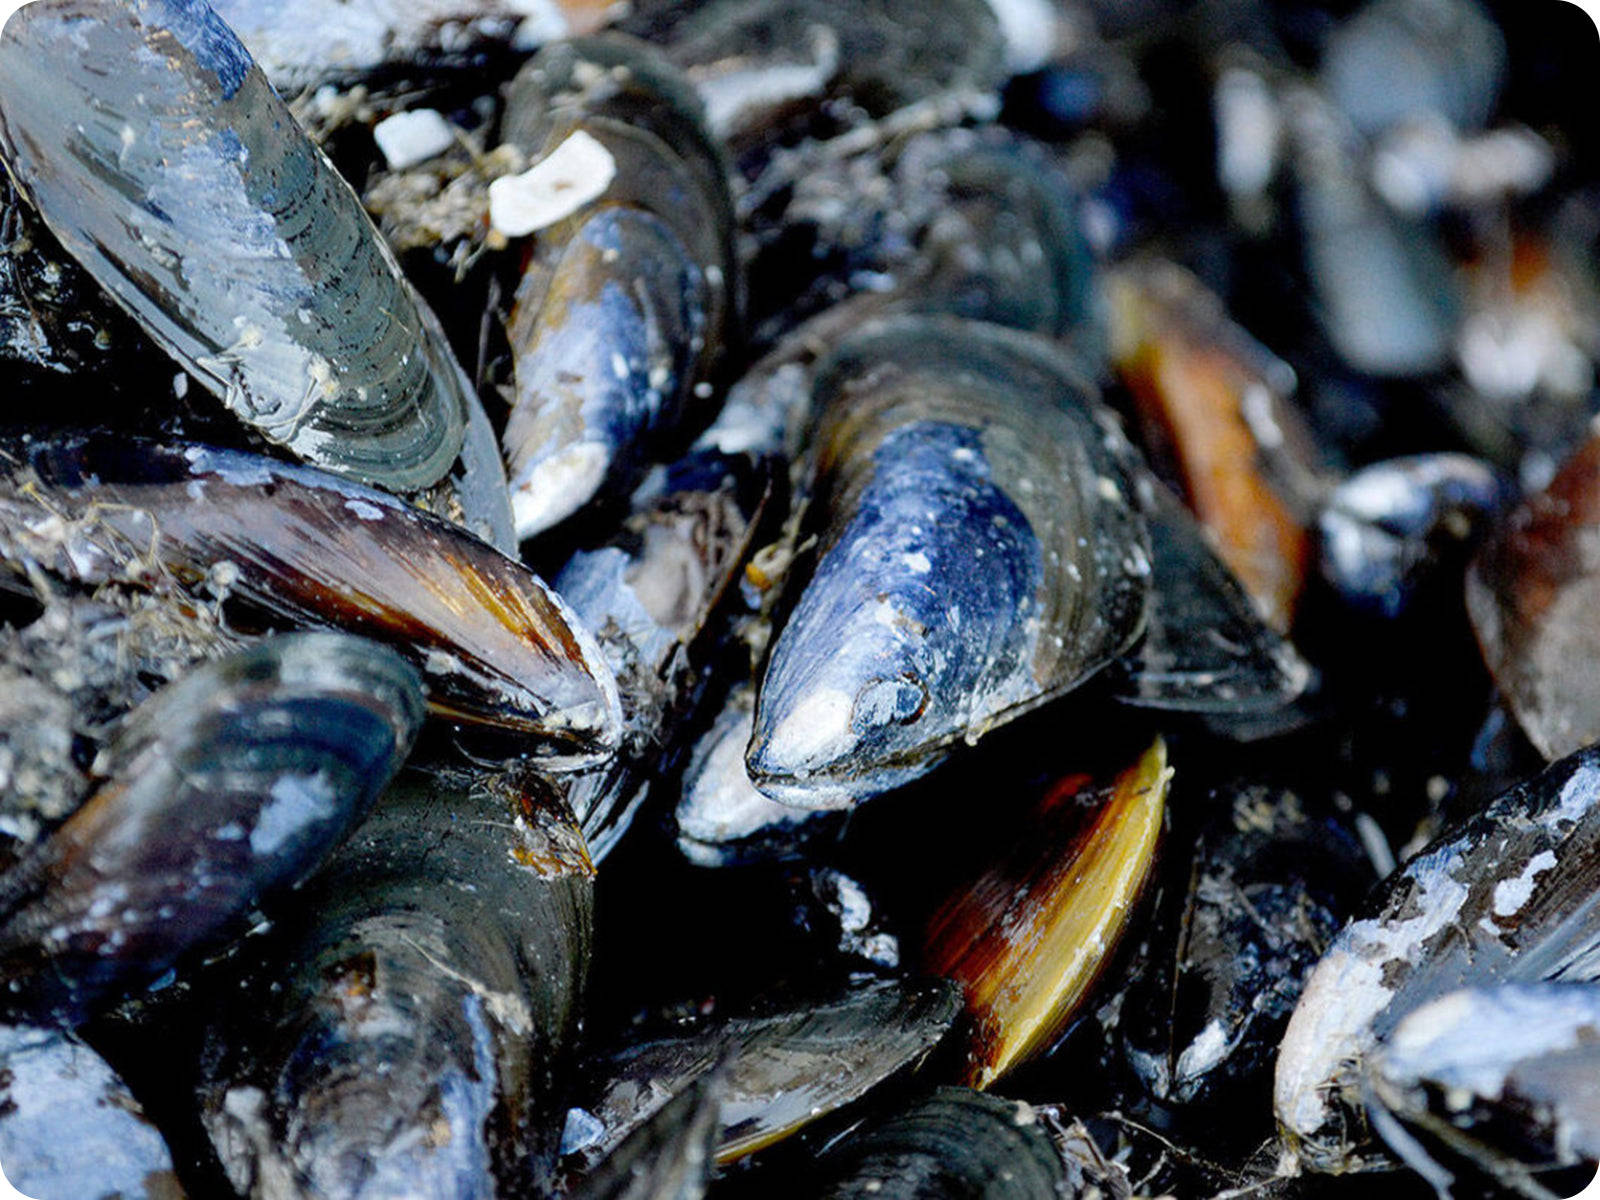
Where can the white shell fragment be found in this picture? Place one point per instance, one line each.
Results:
(409, 138)
(577, 171)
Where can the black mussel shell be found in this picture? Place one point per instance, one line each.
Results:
(220, 791)
(954, 1145)
(497, 647)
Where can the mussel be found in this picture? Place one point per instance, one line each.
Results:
(1028, 938)
(155, 149)
(410, 1025)
(70, 1127)
(1530, 593)
(629, 300)
(653, 594)
(1214, 405)
(221, 790)
(296, 545)
(782, 1069)
(1506, 897)
(1499, 1082)
(980, 553)
(952, 1144)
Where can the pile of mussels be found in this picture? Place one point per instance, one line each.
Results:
(799, 598)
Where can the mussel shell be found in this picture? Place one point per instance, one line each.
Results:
(722, 818)
(1531, 594)
(634, 101)
(1399, 59)
(1003, 244)
(1206, 648)
(220, 790)
(1243, 920)
(160, 156)
(300, 44)
(1504, 1079)
(496, 645)
(407, 1031)
(782, 1070)
(1383, 287)
(1030, 935)
(627, 303)
(669, 1157)
(956, 1144)
(1213, 412)
(980, 552)
(604, 354)
(653, 594)
(1403, 527)
(892, 52)
(69, 1126)
(1506, 897)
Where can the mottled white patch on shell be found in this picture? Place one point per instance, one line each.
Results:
(1331, 1029)
(1511, 894)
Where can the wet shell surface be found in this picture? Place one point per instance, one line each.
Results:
(253, 768)
(1213, 402)
(496, 646)
(1532, 593)
(955, 1144)
(70, 1127)
(1505, 898)
(669, 1157)
(782, 1070)
(1028, 938)
(411, 1025)
(628, 299)
(980, 552)
(160, 156)
(1206, 647)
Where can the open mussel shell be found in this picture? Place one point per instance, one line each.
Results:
(1206, 648)
(652, 593)
(955, 1144)
(782, 1069)
(1506, 897)
(406, 1031)
(70, 1127)
(160, 156)
(628, 301)
(497, 647)
(1029, 937)
(1532, 593)
(980, 553)
(222, 789)
(1501, 1082)
(669, 1157)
